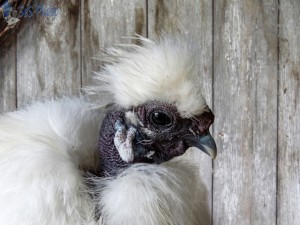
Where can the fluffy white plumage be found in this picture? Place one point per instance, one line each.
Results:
(45, 149)
(152, 195)
(41, 151)
(165, 70)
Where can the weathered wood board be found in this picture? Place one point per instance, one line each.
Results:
(8, 78)
(48, 54)
(245, 103)
(289, 114)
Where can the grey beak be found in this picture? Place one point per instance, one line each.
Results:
(205, 143)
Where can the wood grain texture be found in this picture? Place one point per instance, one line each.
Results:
(105, 23)
(8, 77)
(245, 102)
(193, 18)
(289, 114)
(48, 53)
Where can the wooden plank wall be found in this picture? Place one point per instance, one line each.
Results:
(289, 114)
(251, 79)
(245, 90)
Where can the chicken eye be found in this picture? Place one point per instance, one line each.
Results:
(160, 118)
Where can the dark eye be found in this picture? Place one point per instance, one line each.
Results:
(160, 118)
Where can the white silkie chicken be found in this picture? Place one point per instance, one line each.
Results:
(57, 169)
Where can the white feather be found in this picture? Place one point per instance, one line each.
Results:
(150, 195)
(165, 70)
(41, 150)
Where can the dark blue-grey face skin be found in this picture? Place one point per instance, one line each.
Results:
(161, 135)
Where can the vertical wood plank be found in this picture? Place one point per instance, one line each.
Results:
(245, 102)
(105, 23)
(48, 53)
(289, 114)
(195, 18)
(7, 78)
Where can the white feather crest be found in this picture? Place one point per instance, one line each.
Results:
(165, 70)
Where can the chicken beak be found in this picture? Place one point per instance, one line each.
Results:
(205, 143)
